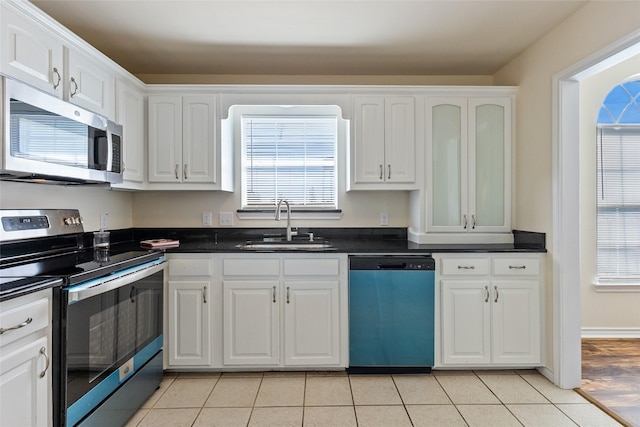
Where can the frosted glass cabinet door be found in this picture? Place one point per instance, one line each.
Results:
(447, 129)
(489, 145)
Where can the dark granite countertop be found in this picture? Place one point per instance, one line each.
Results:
(343, 240)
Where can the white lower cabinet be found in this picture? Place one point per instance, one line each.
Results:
(284, 311)
(251, 322)
(311, 323)
(25, 352)
(490, 310)
(188, 342)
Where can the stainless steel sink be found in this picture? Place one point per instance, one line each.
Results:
(284, 245)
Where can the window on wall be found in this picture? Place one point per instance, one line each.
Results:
(291, 156)
(618, 186)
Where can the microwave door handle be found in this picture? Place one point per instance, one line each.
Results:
(109, 151)
(80, 294)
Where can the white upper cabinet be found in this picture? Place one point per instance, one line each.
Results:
(88, 84)
(130, 114)
(469, 165)
(182, 139)
(36, 55)
(383, 146)
(31, 53)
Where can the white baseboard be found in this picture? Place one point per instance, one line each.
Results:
(610, 332)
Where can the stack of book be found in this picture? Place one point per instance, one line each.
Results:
(159, 243)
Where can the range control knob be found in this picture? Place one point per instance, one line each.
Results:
(68, 221)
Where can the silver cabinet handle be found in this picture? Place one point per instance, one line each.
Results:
(18, 326)
(43, 351)
(497, 294)
(75, 90)
(486, 290)
(204, 295)
(466, 267)
(185, 171)
(57, 83)
(288, 294)
(464, 221)
(177, 166)
(389, 173)
(274, 294)
(381, 170)
(517, 267)
(473, 222)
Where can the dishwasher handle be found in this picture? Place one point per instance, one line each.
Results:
(400, 266)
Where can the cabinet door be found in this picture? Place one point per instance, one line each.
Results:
(24, 394)
(189, 323)
(399, 131)
(30, 53)
(199, 120)
(311, 320)
(89, 84)
(490, 164)
(130, 114)
(516, 322)
(446, 136)
(369, 134)
(165, 138)
(251, 322)
(466, 330)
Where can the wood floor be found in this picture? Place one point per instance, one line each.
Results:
(611, 376)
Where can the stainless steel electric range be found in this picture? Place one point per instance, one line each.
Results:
(107, 313)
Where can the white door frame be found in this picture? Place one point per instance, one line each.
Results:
(567, 370)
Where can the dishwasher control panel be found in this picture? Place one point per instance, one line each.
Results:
(392, 262)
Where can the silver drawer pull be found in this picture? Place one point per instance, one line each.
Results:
(43, 351)
(12, 328)
(466, 267)
(517, 267)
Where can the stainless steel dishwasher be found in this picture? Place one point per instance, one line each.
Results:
(391, 314)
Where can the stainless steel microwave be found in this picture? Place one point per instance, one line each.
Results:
(46, 139)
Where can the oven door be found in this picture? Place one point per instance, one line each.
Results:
(112, 328)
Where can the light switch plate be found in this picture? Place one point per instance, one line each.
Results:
(384, 218)
(207, 219)
(226, 219)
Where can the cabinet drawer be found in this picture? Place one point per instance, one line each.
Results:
(25, 319)
(311, 267)
(251, 267)
(516, 266)
(465, 266)
(190, 267)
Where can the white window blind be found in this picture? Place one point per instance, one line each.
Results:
(49, 138)
(618, 204)
(291, 158)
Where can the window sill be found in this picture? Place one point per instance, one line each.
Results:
(616, 286)
(270, 213)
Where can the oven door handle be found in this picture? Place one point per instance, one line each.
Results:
(81, 293)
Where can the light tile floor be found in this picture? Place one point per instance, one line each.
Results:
(335, 399)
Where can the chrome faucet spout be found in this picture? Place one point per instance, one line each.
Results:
(277, 217)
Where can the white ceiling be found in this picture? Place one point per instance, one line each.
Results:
(310, 37)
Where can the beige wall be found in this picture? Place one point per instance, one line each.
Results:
(184, 209)
(587, 31)
(91, 200)
(602, 312)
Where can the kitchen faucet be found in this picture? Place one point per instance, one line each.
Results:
(277, 218)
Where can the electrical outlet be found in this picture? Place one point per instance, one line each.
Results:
(104, 220)
(226, 219)
(207, 219)
(384, 218)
